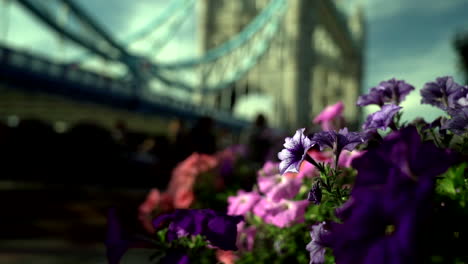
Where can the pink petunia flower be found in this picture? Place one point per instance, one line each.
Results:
(285, 213)
(263, 205)
(246, 237)
(269, 168)
(279, 186)
(226, 256)
(331, 117)
(347, 157)
(307, 170)
(183, 198)
(242, 203)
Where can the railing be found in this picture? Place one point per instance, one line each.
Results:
(104, 86)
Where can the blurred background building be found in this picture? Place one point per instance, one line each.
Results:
(100, 99)
(300, 54)
(315, 57)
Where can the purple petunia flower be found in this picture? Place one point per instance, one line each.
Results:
(295, 152)
(242, 203)
(315, 194)
(315, 246)
(175, 257)
(219, 229)
(391, 91)
(382, 118)
(279, 186)
(390, 201)
(458, 100)
(458, 124)
(442, 93)
(116, 244)
(461, 98)
(338, 141)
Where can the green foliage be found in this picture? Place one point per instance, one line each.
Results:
(195, 247)
(454, 185)
(450, 218)
(278, 245)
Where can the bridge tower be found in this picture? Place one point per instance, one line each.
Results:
(315, 59)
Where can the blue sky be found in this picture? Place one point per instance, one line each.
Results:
(412, 40)
(406, 39)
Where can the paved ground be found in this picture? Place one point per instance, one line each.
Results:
(61, 252)
(60, 224)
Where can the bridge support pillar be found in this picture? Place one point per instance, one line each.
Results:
(299, 25)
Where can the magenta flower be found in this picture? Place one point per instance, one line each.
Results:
(315, 246)
(262, 207)
(279, 187)
(268, 169)
(307, 171)
(286, 189)
(330, 116)
(286, 213)
(382, 118)
(391, 91)
(295, 152)
(242, 203)
(347, 157)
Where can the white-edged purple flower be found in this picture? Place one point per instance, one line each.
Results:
(295, 152)
(458, 124)
(382, 118)
(315, 247)
(442, 93)
(391, 91)
(338, 141)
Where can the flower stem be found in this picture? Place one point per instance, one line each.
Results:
(313, 162)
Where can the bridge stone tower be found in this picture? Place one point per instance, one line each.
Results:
(315, 60)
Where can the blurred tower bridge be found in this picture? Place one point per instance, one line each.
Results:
(303, 54)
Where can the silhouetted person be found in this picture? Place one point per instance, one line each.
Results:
(202, 137)
(178, 135)
(259, 140)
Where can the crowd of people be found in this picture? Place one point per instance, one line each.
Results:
(88, 153)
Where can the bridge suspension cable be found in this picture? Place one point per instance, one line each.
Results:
(81, 29)
(222, 66)
(173, 16)
(216, 69)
